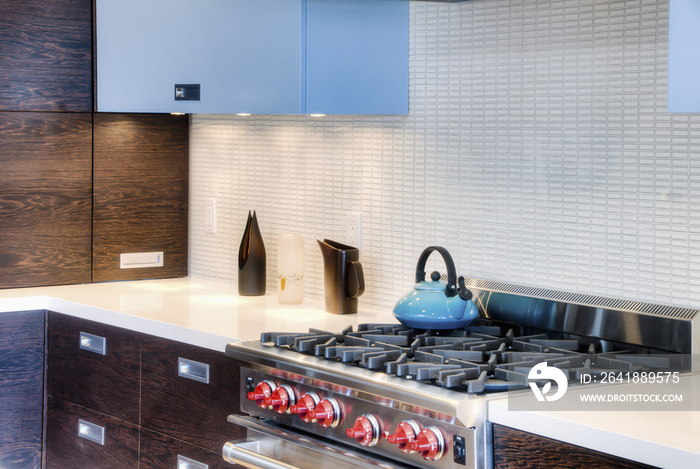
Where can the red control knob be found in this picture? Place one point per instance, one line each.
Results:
(327, 413)
(430, 444)
(366, 430)
(263, 390)
(306, 404)
(405, 433)
(281, 399)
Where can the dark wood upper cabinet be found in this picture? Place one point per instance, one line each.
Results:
(46, 59)
(140, 193)
(45, 198)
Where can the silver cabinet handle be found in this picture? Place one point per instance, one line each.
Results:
(193, 370)
(187, 463)
(93, 343)
(91, 432)
(237, 454)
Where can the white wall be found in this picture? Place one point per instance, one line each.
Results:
(538, 150)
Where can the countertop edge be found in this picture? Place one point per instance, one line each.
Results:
(118, 319)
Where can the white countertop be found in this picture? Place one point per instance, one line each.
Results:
(666, 439)
(211, 314)
(199, 312)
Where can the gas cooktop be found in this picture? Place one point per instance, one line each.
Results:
(485, 357)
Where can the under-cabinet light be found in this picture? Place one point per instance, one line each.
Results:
(317, 115)
(242, 114)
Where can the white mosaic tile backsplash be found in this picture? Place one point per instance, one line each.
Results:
(538, 150)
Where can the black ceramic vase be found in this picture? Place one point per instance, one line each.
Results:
(251, 260)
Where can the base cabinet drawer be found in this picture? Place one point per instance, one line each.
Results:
(94, 365)
(515, 449)
(187, 392)
(160, 451)
(80, 438)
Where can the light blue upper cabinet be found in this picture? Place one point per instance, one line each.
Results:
(253, 56)
(244, 54)
(357, 57)
(683, 56)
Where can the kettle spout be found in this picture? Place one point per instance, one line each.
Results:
(457, 307)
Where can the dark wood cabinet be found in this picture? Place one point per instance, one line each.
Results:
(140, 193)
(108, 383)
(183, 407)
(55, 230)
(71, 435)
(158, 451)
(21, 389)
(45, 198)
(515, 449)
(46, 59)
(177, 396)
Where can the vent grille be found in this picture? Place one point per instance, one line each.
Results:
(595, 301)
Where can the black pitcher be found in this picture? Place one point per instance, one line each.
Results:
(343, 277)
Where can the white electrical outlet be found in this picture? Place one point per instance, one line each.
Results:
(355, 230)
(210, 215)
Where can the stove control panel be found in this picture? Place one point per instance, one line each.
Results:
(353, 417)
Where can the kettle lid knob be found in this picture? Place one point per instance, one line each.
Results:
(435, 276)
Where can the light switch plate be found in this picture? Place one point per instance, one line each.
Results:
(354, 235)
(210, 215)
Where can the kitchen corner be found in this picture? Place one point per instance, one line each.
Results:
(198, 312)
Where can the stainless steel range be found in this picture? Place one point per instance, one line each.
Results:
(392, 397)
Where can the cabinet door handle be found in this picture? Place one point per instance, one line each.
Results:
(193, 370)
(93, 343)
(187, 463)
(91, 432)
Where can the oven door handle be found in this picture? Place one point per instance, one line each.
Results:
(237, 453)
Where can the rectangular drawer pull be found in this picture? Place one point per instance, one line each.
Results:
(93, 343)
(193, 370)
(187, 463)
(91, 432)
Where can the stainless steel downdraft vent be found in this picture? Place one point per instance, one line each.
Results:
(582, 299)
(661, 327)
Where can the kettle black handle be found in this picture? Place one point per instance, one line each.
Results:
(451, 289)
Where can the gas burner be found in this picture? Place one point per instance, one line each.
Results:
(484, 357)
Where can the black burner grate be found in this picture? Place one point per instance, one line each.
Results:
(484, 357)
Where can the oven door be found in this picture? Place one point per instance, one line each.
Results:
(270, 446)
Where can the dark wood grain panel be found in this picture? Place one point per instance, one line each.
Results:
(45, 198)
(183, 408)
(165, 195)
(65, 449)
(21, 389)
(520, 450)
(140, 193)
(46, 60)
(159, 451)
(108, 383)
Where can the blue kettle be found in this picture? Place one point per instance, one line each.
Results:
(435, 304)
